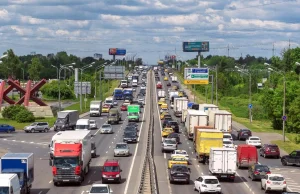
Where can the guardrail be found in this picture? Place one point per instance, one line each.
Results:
(148, 184)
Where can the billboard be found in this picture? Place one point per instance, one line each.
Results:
(117, 51)
(195, 46)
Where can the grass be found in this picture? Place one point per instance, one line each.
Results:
(20, 126)
(287, 146)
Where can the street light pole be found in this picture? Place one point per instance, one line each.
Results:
(283, 109)
(56, 71)
(23, 73)
(250, 99)
(217, 84)
(81, 70)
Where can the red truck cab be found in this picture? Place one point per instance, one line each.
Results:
(111, 171)
(246, 155)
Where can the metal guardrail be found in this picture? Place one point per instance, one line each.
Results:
(148, 184)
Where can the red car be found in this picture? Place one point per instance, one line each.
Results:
(111, 171)
(269, 150)
(123, 107)
(158, 86)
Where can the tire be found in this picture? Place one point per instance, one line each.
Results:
(55, 183)
(32, 130)
(120, 180)
(265, 156)
(283, 162)
(188, 182)
(8, 131)
(261, 187)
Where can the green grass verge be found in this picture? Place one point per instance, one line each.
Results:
(20, 126)
(287, 146)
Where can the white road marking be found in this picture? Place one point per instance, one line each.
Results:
(82, 192)
(32, 142)
(50, 182)
(106, 151)
(165, 155)
(4, 139)
(40, 192)
(109, 146)
(14, 140)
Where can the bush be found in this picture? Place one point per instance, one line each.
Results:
(10, 112)
(25, 116)
(51, 90)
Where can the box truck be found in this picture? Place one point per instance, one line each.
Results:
(161, 94)
(179, 105)
(196, 131)
(183, 115)
(21, 164)
(220, 119)
(71, 157)
(95, 108)
(222, 163)
(174, 78)
(10, 184)
(83, 124)
(118, 94)
(133, 113)
(208, 107)
(194, 118)
(66, 120)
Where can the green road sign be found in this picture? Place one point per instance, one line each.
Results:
(199, 76)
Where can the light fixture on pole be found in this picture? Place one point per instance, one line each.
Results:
(57, 70)
(81, 70)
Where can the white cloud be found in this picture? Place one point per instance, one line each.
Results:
(4, 15)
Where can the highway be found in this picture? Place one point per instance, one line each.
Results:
(37, 143)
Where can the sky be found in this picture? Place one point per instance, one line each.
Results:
(149, 29)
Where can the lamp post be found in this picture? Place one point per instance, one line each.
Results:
(57, 70)
(284, 98)
(81, 70)
(23, 73)
(61, 67)
(97, 68)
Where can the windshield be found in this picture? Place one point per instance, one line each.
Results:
(113, 114)
(254, 138)
(33, 124)
(130, 134)
(92, 122)
(108, 101)
(211, 181)
(66, 162)
(169, 141)
(178, 159)
(106, 126)
(276, 178)
(181, 152)
(133, 114)
(227, 142)
(94, 109)
(227, 136)
(82, 126)
(4, 190)
(121, 146)
(172, 123)
(262, 168)
(99, 190)
(110, 169)
(180, 169)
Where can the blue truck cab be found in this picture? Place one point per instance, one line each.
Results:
(118, 94)
(128, 94)
(21, 164)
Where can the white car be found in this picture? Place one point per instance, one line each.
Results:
(101, 188)
(273, 182)
(228, 144)
(126, 102)
(106, 128)
(143, 87)
(180, 153)
(93, 124)
(115, 103)
(209, 184)
(254, 140)
(227, 136)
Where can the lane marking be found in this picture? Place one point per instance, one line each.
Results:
(165, 155)
(50, 182)
(40, 192)
(82, 192)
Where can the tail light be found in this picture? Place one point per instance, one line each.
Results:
(54, 170)
(284, 182)
(256, 172)
(268, 172)
(268, 149)
(77, 170)
(269, 182)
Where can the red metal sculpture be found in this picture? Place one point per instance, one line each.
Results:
(28, 93)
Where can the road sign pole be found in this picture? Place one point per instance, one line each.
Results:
(212, 89)
(194, 93)
(199, 58)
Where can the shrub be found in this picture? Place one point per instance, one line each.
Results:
(51, 90)
(10, 112)
(25, 116)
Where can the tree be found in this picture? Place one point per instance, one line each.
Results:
(11, 64)
(35, 69)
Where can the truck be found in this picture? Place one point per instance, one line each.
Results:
(196, 131)
(95, 108)
(71, 156)
(174, 78)
(21, 164)
(161, 94)
(135, 77)
(206, 139)
(128, 94)
(114, 116)
(83, 124)
(133, 113)
(124, 83)
(66, 120)
(134, 83)
(118, 94)
(246, 155)
(183, 115)
(208, 107)
(10, 184)
(195, 118)
(220, 119)
(222, 163)
(179, 105)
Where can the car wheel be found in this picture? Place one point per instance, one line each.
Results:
(265, 155)
(261, 187)
(8, 131)
(283, 162)
(32, 130)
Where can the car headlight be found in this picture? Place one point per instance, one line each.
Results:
(104, 175)
(117, 175)
(63, 126)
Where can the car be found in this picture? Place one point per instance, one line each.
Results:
(166, 78)
(209, 184)
(37, 126)
(93, 124)
(7, 128)
(126, 102)
(157, 78)
(165, 121)
(291, 159)
(168, 84)
(164, 114)
(256, 171)
(131, 128)
(135, 125)
(174, 125)
(123, 107)
(111, 171)
(254, 140)
(158, 85)
(106, 128)
(243, 134)
(100, 188)
(141, 104)
(270, 150)
(94, 150)
(143, 87)
(179, 173)
(228, 144)
(161, 101)
(177, 160)
(174, 136)
(106, 108)
(130, 137)
(180, 153)
(273, 182)
(166, 131)
(141, 100)
(121, 149)
(168, 145)
(227, 136)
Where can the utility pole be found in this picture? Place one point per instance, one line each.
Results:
(228, 50)
(212, 89)
(250, 99)
(217, 84)
(273, 50)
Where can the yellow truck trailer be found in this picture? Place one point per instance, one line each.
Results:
(206, 139)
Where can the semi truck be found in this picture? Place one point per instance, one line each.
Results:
(195, 118)
(21, 164)
(222, 163)
(183, 115)
(179, 105)
(220, 119)
(66, 120)
(133, 113)
(206, 139)
(95, 108)
(208, 107)
(118, 94)
(71, 156)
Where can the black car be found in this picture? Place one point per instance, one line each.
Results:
(129, 125)
(243, 134)
(174, 136)
(130, 137)
(174, 125)
(179, 173)
(130, 128)
(292, 159)
(257, 171)
(168, 84)
(142, 91)
(165, 121)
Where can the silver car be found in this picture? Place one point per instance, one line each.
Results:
(121, 149)
(93, 124)
(169, 145)
(37, 126)
(141, 100)
(106, 128)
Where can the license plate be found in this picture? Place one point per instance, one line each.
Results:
(66, 180)
(179, 174)
(223, 176)
(110, 179)
(276, 183)
(273, 151)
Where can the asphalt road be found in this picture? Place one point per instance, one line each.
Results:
(37, 143)
(242, 183)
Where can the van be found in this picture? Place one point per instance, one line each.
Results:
(82, 124)
(111, 171)
(110, 101)
(246, 155)
(9, 183)
(114, 116)
(134, 83)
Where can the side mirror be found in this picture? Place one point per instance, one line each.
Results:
(49, 145)
(50, 162)
(121, 170)
(189, 169)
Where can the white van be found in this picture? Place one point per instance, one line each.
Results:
(110, 101)
(9, 183)
(134, 83)
(82, 124)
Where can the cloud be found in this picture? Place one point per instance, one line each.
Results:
(150, 28)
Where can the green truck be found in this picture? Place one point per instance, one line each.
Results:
(133, 113)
